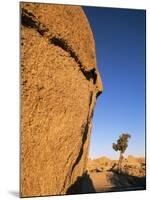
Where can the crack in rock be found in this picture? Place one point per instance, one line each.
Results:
(64, 45)
(85, 127)
(30, 21)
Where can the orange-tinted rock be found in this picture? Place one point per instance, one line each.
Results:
(60, 82)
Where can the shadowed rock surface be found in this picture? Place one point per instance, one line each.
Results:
(59, 86)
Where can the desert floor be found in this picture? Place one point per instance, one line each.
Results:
(111, 181)
(102, 175)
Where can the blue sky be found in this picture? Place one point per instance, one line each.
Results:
(120, 49)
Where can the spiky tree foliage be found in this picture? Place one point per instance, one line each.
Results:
(121, 146)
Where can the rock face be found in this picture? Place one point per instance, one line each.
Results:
(59, 86)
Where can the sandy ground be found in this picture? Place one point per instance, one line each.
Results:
(111, 181)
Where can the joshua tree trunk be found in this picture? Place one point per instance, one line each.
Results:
(120, 162)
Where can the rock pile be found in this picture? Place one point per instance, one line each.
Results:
(131, 165)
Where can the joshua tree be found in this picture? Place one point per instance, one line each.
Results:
(122, 144)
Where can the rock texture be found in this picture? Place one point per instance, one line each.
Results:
(60, 83)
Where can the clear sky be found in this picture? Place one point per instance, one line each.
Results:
(120, 49)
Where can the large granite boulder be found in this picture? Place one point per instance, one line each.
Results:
(59, 86)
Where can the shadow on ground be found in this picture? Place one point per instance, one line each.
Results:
(82, 185)
(108, 181)
(127, 182)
